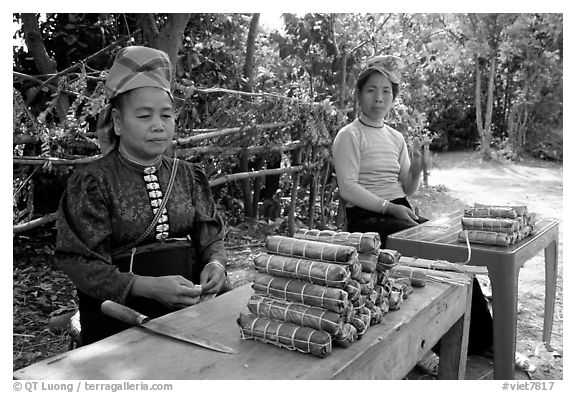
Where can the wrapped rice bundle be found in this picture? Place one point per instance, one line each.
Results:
(299, 248)
(491, 212)
(403, 284)
(529, 223)
(369, 304)
(381, 277)
(381, 294)
(293, 290)
(362, 321)
(348, 312)
(359, 303)
(346, 336)
(367, 289)
(521, 210)
(492, 238)
(355, 270)
(407, 290)
(373, 297)
(368, 278)
(322, 273)
(368, 242)
(368, 262)
(416, 275)
(353, 290)
(285, 335)
(395, 299)
(376, 315)
(387, 258)
(384, 306)
(386, 287)
(505, 225)
(296, 313)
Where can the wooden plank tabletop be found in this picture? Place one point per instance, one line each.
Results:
(387, 350)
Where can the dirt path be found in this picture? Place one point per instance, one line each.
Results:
(538, 185)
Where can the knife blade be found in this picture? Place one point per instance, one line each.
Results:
(133, 317)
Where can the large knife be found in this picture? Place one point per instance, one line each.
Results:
(133, 317)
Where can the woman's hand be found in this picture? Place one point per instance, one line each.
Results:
(212, 278)
(172, 291)
(401, 212)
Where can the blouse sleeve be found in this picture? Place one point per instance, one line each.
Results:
(208, 232)
(83, 241)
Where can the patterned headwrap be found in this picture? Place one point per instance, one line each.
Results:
(138, 66)
(387, 65)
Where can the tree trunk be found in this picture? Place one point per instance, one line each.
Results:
(484, 127)
(171, 34)
(44, 63)
(149, 29)
(425, 167)
(251, 195)
(479, 122)
(489, 104)
(35, 44)
(250, 49)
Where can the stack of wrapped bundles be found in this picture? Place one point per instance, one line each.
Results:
(317, 289)
(496, 225)
(398, 284)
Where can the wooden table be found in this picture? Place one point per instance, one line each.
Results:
(389, 350)
(437, 239)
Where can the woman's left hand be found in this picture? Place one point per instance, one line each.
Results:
(212, 278)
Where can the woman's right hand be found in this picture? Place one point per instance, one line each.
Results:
(401, 212)
(172, 291)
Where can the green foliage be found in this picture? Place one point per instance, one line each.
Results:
(299, 70)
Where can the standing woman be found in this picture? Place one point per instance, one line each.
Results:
(373, 168)
(138, 227)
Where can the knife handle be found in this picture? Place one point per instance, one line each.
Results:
(123, 313)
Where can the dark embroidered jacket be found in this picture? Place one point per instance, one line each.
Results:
(106, 205)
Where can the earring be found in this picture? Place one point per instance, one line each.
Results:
(117, 131)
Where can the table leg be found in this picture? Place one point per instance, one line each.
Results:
(551, 261)
(504, 279)
(454, 345)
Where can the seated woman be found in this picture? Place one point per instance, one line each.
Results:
(373, 167)
(375, 174)
(138, 227)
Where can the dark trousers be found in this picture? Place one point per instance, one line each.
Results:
(481, 335)
(361, 220)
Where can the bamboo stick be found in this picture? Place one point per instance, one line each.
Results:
(228, 131)
(247, 175)
(442, 265)
(19, 228)
(236, 176)
(18, 160)
(221, 150)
